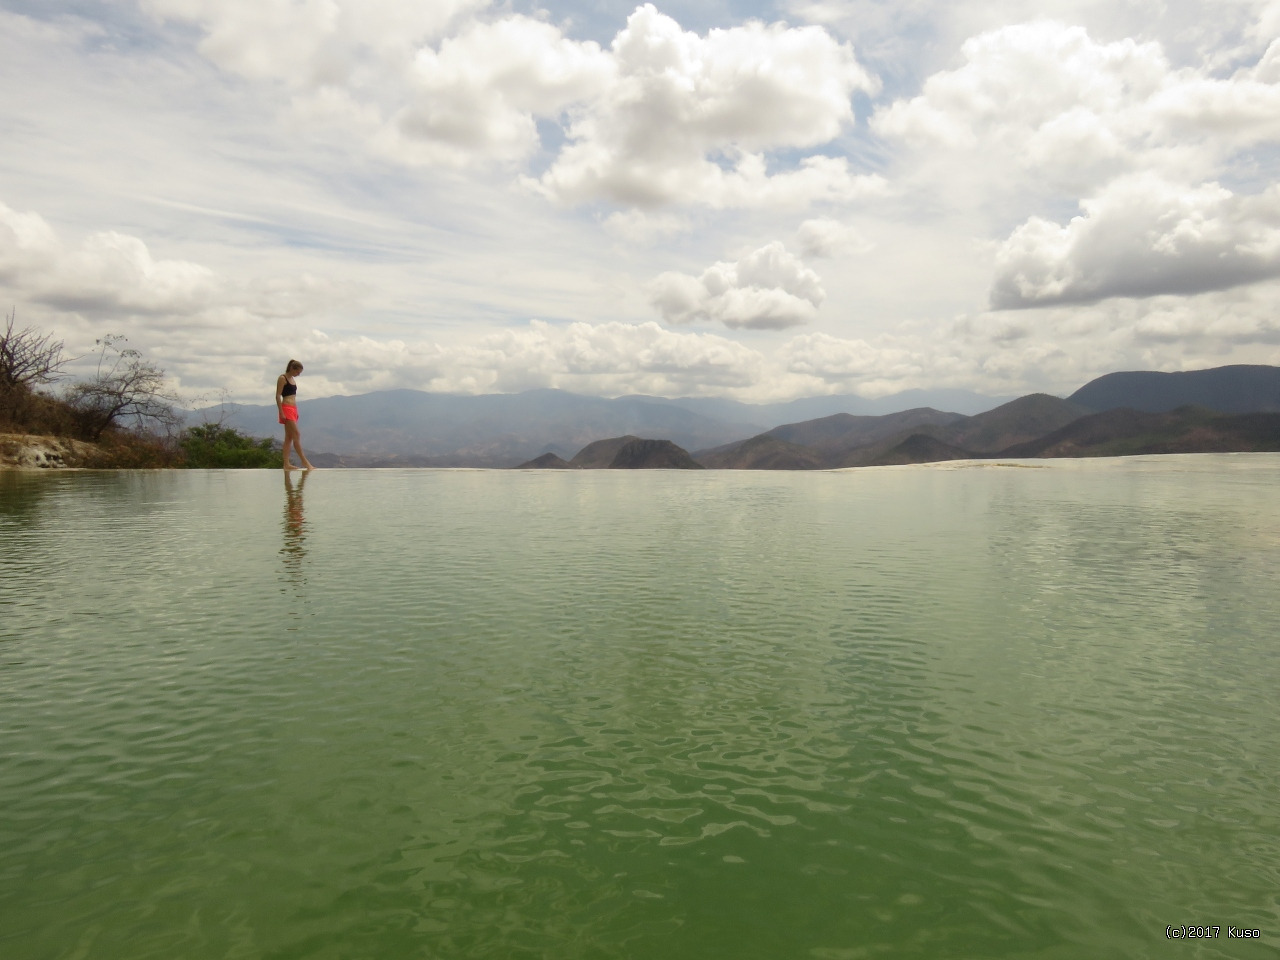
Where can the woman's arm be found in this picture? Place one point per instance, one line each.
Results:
(279, 388)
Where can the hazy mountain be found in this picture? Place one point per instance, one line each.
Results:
(599, 454)
(1239, 388)
(1124, 432)
(762, 416)
(620, 453)
(842, 431)
(1017, 421)
(919, 448)
(822, 440)
(414, 428)
(640, 454)
(548, 461)
(763, 452)
(843, 440)
(985, 434)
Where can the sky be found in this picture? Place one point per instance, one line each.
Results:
(755, 200)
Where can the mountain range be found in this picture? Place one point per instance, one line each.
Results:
(1224, 408)
(415, 428)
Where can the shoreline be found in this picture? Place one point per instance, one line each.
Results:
(36, 453)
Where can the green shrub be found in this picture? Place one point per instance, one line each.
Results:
(212, 445)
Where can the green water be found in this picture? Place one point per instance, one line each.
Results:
(919, 712)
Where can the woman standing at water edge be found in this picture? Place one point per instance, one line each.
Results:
(287, 404)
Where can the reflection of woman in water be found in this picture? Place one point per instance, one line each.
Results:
(287, 404)
(294, 521)
(293, 550)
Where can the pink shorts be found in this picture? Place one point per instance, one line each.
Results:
(288, 412)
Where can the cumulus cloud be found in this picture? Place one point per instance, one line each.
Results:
(1069, 344)
(1044, 89)
(113, 274)
(1142, 237)
(482, 90)
(840, 360)
(662, 116)
(605, 359)
(768, 289)
(690, 118)
(617, 358)
(1050, 98)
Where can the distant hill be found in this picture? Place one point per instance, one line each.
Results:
(842, 431)
(599, 454)
(1232, 389)
(1116, 433)
(1037, 425)
(843, 440)
(813, 444)
(548, 461)
(919, 448)
(763, 452)
(1017, 421)
(639, 454)
(620, 453)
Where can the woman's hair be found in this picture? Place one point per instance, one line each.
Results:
(293, 365)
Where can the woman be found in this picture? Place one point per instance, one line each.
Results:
(287, 404)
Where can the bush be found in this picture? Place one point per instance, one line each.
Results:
(212, 445)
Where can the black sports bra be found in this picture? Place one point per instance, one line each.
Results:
(289, 390)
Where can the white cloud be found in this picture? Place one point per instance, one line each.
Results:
(1048, 99)
(1045, 90)
(829, 238)
(1065, 348)
(109, 271)
(690, 118)
(662, 116)
(110, 274)
(479, 94)
(907, 35)
(836, 359)
(768, 289)
(1142, 237)
(312, 43)
(644, 226)
(277, 166)
(603, 359)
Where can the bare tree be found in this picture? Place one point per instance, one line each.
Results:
(27, 359)
(124, 387)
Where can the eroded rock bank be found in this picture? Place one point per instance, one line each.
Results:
(25, 451)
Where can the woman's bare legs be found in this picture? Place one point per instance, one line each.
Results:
(293, 439)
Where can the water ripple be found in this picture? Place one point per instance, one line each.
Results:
(445, 713)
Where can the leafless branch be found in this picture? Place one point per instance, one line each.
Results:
(28, 358)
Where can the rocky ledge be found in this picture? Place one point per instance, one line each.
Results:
(25, 451)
